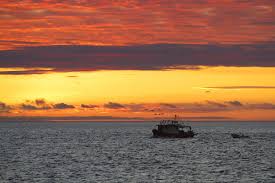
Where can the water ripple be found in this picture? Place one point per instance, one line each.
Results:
(125, 152)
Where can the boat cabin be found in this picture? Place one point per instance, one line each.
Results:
(172, 127)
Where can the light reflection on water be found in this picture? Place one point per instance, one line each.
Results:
(126, 152)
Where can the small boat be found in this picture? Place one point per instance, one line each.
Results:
(239, 136)
(173, 129)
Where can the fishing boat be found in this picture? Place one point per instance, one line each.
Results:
(173, 129)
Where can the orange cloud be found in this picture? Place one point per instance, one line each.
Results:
(135, 22)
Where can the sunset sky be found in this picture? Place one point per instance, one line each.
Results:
(203, 60)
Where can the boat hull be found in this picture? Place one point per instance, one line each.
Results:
(188, 134)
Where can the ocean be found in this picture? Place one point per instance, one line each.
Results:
(126, 152)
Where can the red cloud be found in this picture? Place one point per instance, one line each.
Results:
(135, 22)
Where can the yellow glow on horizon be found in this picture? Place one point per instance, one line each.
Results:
(142, 87)
(173, 86)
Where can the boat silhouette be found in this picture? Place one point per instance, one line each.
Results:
(173, 129)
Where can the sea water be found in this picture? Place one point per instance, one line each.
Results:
(126, 152)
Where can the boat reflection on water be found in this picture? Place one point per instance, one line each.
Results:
(239, 136)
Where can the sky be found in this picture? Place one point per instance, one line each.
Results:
(202, 60)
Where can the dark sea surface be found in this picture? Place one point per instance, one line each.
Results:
(126, 152)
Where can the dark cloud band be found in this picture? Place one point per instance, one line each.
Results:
(142, 57)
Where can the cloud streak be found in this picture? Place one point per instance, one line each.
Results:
(24, 72)
(89, 106)
(68, 118)
(235, 103)
(141, 57)
(63, 106)
(41, 104)
(197, 107)
(155, 109)
(113, 105)
(239, 87)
